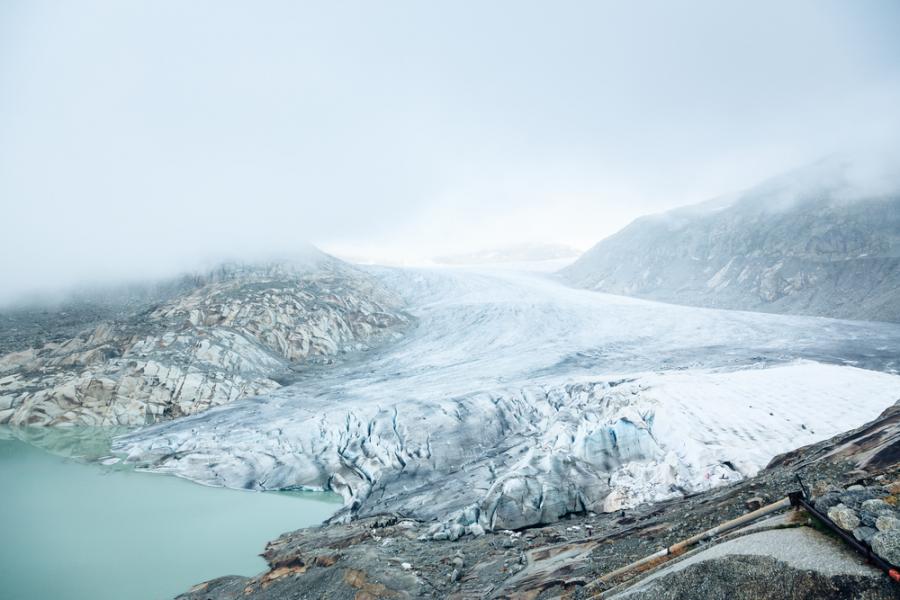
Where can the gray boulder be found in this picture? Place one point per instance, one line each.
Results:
(872, 509)
(827, 500)
(886, 544)
(887, 523)
(844, 517)
(864, 534)
(855, 497)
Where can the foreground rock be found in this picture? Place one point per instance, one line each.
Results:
(234, 332)
(808, 562)
(368, 558)
(815, 241)
(769, 565)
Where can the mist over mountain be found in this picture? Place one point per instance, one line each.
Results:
(511, 254)
(820, 240)
(333, 253)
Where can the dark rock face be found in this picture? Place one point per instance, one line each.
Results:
(808, 242)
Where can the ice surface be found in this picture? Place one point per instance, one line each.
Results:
(516, 400)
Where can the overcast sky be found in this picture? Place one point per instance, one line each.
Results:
(140, 136)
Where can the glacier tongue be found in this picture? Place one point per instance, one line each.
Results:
(517, 401)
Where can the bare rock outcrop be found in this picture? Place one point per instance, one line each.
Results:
(234, 332)
(814, 241)
(785, 564)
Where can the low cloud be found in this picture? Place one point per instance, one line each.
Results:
(141, 139)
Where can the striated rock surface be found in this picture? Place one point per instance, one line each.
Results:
(785, 564)
(815, 241)
(234, 332)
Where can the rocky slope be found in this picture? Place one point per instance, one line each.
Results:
(817, 241)
(188, 345)
(786, 557)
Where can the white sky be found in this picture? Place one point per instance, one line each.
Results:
(140, 137)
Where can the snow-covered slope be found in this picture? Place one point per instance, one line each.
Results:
(823, 240)
(516, 400)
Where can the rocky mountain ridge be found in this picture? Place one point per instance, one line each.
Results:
(232, 332)
(814, 241)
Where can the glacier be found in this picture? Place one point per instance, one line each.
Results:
(516, 400)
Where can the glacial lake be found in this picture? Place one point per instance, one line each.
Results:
(73, 530)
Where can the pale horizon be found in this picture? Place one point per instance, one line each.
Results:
(402, 132)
